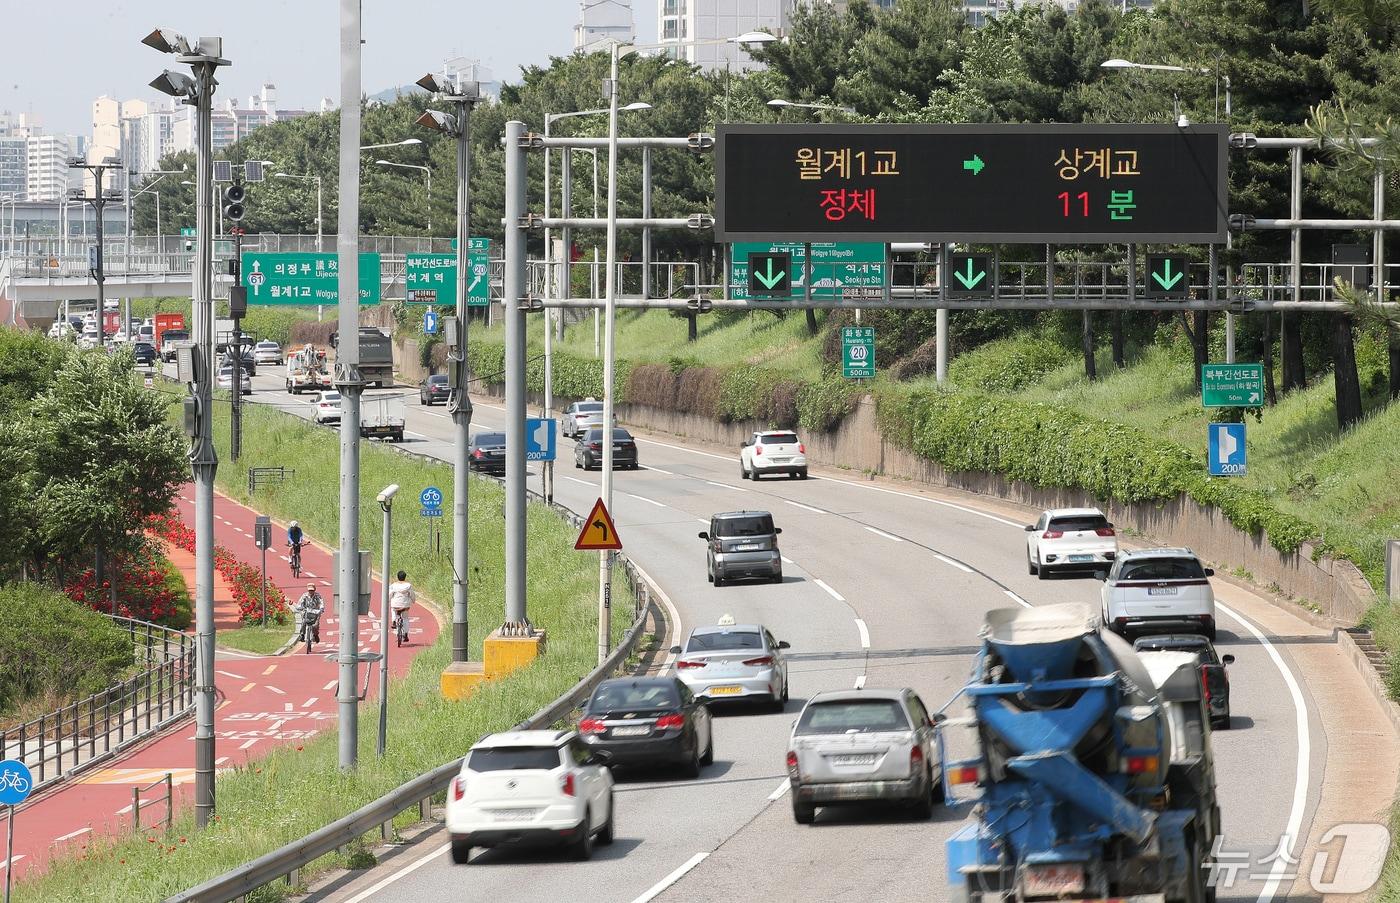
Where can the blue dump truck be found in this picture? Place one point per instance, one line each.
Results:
(1089, 766)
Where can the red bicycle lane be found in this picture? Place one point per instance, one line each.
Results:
(261, 702)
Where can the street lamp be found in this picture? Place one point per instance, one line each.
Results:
(459, 404)
(1117, 63)
(98, 200)
(404, 143)
(778, 103)
(428, 172)
(610, 312)
(203, 57)
(386, 504)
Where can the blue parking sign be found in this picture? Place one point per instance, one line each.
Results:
(1226, 449)
(539, 439)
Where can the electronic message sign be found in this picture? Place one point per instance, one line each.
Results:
(1061, 183)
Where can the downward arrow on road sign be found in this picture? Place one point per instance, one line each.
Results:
(769, 279)
(1165, 278)
(969, 281)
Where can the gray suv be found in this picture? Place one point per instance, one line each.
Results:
(742, 544)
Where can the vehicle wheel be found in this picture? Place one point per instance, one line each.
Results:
(461, 852)
(709, 757)
(802, 474)
(792, 475)
(785, 691)
(606, 835)
(577, 465)
(718, 581)
(1210, 634)
(1042, 572)
(398, 437)
(778, 577)
(692, 767)
(923, 806)
(743, 471)
(803, 813)
(754, 474)
(1030, 565)
(1221, 724)
(422, 401)
(583, 847)
(709, 575)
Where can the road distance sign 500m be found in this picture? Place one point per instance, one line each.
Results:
(1005, 183)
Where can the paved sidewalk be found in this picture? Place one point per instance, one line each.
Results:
(262, 701)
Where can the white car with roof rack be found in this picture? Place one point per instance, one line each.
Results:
(1069, 539)
(527, 788)
(773, 452)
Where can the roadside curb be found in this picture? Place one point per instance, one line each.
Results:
(1368, 674)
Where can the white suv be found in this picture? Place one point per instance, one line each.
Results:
(1069, 538)
(531, 787)
(1159, 591)
(773, 451)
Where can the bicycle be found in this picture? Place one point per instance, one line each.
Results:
(311, 632)
(15, 780)
(400, 625)
(296, 559)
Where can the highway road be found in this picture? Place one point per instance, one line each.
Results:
(886, 586)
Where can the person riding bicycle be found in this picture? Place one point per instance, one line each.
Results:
(401, 598)
(308, 610)
(295, 540)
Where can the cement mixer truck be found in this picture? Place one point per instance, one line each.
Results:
(1089, 764)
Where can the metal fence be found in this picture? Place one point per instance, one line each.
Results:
(82, 734)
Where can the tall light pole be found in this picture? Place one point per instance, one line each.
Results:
(203, 57)
(459, 404)
(386, 504)
(319, 234)
(98, 200)
(428, 173)
(779, 104)
(610, 312)
(407, 142)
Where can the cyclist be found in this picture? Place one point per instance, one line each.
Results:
(401, 598)
(308, 610)
(295, 540)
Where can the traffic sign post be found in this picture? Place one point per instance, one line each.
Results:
(478, 275)
(262, 537)
(431, 500)
(598, 533)
(16, 783)
(841, 270)
(430, 279)
(305, 278)
(770, 275)
(1232, 385)
(1226, 449)
(1166, 276)
(970, 274)
(1071, 183)
(858, 352)
(539, 438)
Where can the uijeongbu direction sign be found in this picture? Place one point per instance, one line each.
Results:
(305, 278)
(987, 183)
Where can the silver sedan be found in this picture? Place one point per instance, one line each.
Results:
(734, 661)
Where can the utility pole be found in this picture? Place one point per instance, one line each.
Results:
(204, 58)
(98, 200)
(514, 291)
(237, 307)
(348, 381)
(610, 312)
(459, 404)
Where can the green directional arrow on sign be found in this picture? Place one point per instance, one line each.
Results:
(769, 279)
(975, 164)
(1165, 278)
(968, 280)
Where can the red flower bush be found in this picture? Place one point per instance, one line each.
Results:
(141, 590)
(244, 580)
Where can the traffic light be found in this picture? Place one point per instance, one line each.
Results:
(234, 195)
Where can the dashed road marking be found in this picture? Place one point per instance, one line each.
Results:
(889, 536)
(833, 593)
(1017, 599)
(804, 507)
(331, 685)
(642, 498)
(270, 669)
(229, 674)
(864, 634)
(248, 687)
(275, 690)
(725, 486)
(310, 702)
(656, 889)
(71, 834)
(247, 744)
(782, 789)
(860, 681)
(787, 560)
(957, 564)
(657, 469)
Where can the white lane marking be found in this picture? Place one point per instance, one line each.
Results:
(221, 760)
(403, 872)
(309, 574)
(331, 685)
(957, 564)
(642, 498)
(70, 835)
(248, 743)
(804, 507)
(864, 634)
(656, 889)
(860, 682)
(889, 536)
(782, 789)
(1017, 599)
(229, 674)
(310, 702)
(787, 560)
(581, 482)
(1300, 782)
(275, 690)
(657, 469)
(671, 612)
(703, 522)
(834, 594)
(725, 486)
(6, 862)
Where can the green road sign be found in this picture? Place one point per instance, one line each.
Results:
(770, 275)
(970, 274)
(304, 278)
(858, 352)
(1166, 276)
(848, 270)
(432, 278)
(1232, 385)
(187, 232)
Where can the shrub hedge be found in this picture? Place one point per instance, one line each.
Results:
(53, 647)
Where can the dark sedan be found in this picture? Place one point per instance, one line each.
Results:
(649, 721)
(1214, 678)
(434, 390)
(588, 453)
(144, 353)
(488, 453)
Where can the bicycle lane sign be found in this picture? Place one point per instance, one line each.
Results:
(16, 782)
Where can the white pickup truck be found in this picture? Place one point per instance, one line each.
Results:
(773, 451)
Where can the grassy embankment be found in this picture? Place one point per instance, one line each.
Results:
(296, 789)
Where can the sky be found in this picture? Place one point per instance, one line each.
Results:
(60, 56)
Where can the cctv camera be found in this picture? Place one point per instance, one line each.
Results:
(388, 493)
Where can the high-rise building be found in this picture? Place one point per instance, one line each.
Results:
(49, 175)
(686, 22)
(106, 129)
(601, 22)
(14, 167)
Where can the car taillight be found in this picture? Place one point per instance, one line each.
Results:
(568, 784)
(1105, 531)
(1140, 764)
(758, 449)
(916, 758)
(684, 665)
(592, 726)
(1205, 682)
(1052, 534)
(672, 720)
(595, 445)
(791, 760)
(963, 774)
(477, 454)
(459, 789)
(762, 660)
(1120, 622)
(801, 448)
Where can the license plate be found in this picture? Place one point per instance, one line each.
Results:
(725, 691)
(631, 731)
(856, 759)
(1081, 558)
(781, 460)
(1161, 591)
(1053, 880)
(746, 547)
(514, 814)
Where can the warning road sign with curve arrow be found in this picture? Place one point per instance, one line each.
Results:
(598, 533)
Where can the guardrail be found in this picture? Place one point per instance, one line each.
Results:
(77, 736)
(418, 793)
